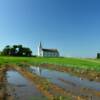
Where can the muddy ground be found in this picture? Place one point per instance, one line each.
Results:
(48, 89)
(4, 90)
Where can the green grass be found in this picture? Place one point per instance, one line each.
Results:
(90, 64)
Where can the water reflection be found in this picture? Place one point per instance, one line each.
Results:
(21, 88)
(36, 70)
(66, 81)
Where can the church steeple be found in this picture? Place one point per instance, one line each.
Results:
(39, 49)
(40, 45)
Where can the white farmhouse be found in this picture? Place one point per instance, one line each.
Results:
(43, 52)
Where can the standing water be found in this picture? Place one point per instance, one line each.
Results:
(68, 82)
(21, 88)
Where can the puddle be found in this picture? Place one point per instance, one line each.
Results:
(21, 88)
(67, 81)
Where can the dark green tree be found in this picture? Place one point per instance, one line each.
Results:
(27, 52)
(20, 50)
(6, 50)
(17, 50)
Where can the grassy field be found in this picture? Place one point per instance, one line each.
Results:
(91, 64)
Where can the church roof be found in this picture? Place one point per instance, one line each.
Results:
(50, 50)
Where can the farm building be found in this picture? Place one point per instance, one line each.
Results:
(44, 52)
(98, 55)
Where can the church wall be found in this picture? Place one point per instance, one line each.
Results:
(50, 54)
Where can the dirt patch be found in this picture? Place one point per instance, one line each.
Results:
(4, 93)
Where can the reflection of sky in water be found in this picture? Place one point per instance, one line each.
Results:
(23, 88)
(54, 76)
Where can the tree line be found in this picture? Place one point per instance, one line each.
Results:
(16, 50)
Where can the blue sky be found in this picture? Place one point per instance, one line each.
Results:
(72, 26)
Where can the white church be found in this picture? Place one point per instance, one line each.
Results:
(44, 52)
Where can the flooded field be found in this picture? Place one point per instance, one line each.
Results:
(70, 83)
(21, 88)
(36, 83)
